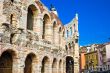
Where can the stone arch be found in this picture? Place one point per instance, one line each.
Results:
(67, 33)
(60, 29)
(69, 45)
(6, 61)
(30, 61)
(66, 47)
(32, 13)
(54, 66)
(45, 65)
(60, 33)
(46, 24)
(69, 64)
(71, 31)
(8, 1)
(63, 34)
(12, 1)
(60, 66)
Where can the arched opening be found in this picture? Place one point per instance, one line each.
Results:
(63, 34)
(67, 33)
(71, 31)
(13, 20)
(74, 27)
(46, 21)
(54, 66)
(12, 1)
(59, 29)
(66, 47)
(54, 30)
(45, 65)
(28, 63)
(6, 62)
(32, 12)
(60, 66)
(60, 35)
(69, 46)
(69, 65)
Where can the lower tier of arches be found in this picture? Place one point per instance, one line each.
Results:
(14, 62)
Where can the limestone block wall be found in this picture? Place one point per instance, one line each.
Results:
(35, 44)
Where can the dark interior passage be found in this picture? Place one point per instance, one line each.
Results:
(69, 65)
(45, 65)
(28, 64)
(6, 62)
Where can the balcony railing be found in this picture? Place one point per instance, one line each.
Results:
(98, 69)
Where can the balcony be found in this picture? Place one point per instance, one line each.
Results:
(99, 69)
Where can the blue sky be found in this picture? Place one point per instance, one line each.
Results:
(94, 18)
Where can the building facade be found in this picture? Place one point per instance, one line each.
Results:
(97, 58)
(103, 57)
(33, 39)
(82, 52)
(91, 60)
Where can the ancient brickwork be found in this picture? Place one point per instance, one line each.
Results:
(33, 39)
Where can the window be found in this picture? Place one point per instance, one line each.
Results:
(74, 28)
(76, 40)
(30, 19)
(67, 33)
(59, 29)
(63, 34)
(71, 31)
(66, 47)
(11, 19)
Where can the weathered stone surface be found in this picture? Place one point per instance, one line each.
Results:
(36, 48)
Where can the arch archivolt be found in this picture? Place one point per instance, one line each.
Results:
(31, 52)
(36, 6)
(46, 13)
(11, 50)
(45, 55)
(54, 21)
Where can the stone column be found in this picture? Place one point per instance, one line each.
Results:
(38, 25)
(1, 7)
(2, 17)
(18, 65)
(23, 19)
(60, 38)
(55, 69)
(35, 67)
(76, 58)
(48, 32)
(64, 66)
(48, 68)
(56, 36)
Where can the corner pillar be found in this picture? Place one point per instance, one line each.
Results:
(76, 58)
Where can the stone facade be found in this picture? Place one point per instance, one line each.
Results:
(33, 39)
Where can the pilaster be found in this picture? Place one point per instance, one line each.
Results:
(38, 25)
(18, 65)
(56, 36)
(48, 32)
(23, 19)
(76, 58)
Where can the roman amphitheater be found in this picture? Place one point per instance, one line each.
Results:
(34, 40)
